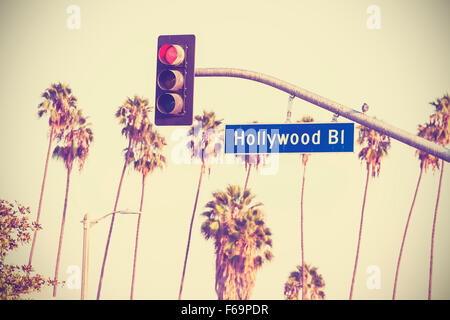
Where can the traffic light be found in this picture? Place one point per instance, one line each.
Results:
(175, 80)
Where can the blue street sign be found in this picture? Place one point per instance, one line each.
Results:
(289, 138)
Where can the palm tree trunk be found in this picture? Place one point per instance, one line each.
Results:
(42, 194)
(61, 233)
(100, 283)
(433, 232)
(190, 231)
(301, 235)
(137, 238)
(248, 175)
(404, 234)
(359, 236)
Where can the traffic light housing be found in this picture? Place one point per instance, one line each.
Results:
(175, 80)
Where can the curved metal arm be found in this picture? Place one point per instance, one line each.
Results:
(359, 117)
(114, 212)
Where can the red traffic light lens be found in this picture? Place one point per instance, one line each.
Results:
(171, 54)
(170, 103)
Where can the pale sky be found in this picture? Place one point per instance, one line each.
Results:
(323, 46)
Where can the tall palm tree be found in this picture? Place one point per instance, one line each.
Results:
(77, 141)
(252, 161)
(150, 157)
(435, 130)
(130, 115)
(205, 144)
(426, 161)
(314, 284)
(305, 158)
(242, 241)
(375, 148)
(441, 135)
(58, 101)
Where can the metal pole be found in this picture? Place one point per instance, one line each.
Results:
(84, 275)
(351, 114)
(85, 259)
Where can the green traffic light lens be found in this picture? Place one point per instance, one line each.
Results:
(166, 103)
(170, 103)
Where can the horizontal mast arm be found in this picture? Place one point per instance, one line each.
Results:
(351, 114)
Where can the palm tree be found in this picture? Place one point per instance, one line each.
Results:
(242, 241)
(58, 100)
(375, 149)
(441, 135)
(130, 115)
(435, 130)
(305, 158)
(426, 160)
(313, 288)
(252, 160)
(205, 144)
(150, 157)
(77, 141)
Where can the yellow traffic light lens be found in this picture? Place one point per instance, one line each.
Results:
(170, 103)
(170, 80)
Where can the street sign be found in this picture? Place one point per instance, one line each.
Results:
(289, 138)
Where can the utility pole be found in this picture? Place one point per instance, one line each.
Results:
(337, 108)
